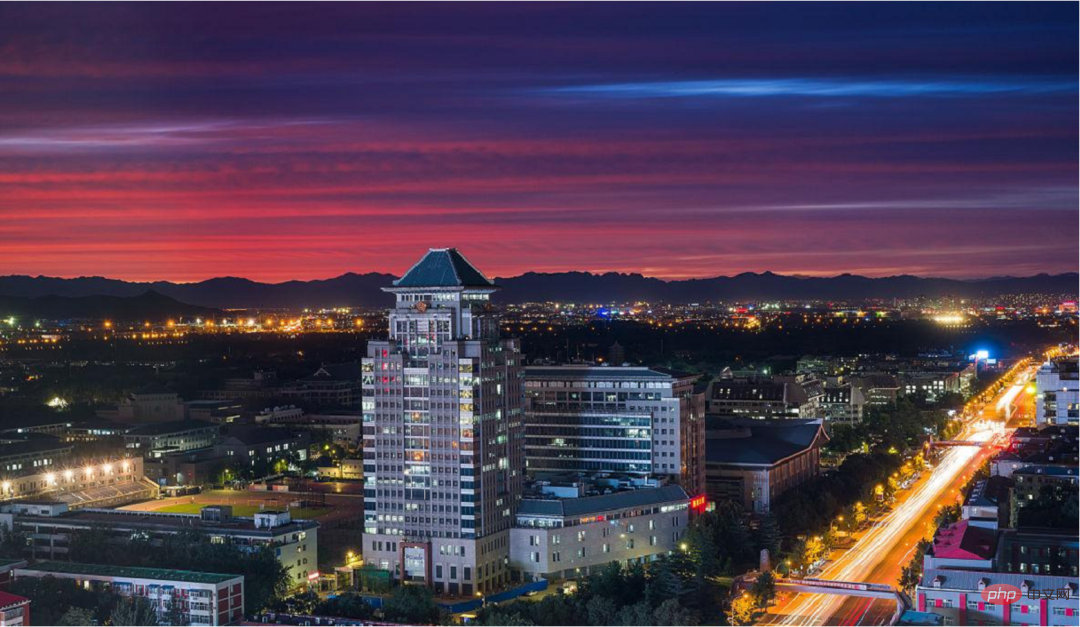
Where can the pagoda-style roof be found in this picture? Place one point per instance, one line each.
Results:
(443, 267)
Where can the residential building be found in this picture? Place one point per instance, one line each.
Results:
(443, 432)
(18, 456)
(7, 567)
(878, 389)
(332, 385)
(295, 542)
(154, 403)
(565, 538)
(217, 411)
(204, 598)
(342, 426)
(155, 440)
(1057, 393)
(252, 445)
(753, 462)
(965, 558)
(763, 397)
(14, 610)
(842, 404)
(632, 420)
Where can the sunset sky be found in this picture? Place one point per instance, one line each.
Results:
(281, 141)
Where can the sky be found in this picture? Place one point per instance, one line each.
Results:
(298, 141)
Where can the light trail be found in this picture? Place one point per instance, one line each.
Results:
(858, 562)
(1009, 396)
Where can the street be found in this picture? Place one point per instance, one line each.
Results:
(880, 553)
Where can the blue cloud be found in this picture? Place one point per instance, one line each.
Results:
(820, 88)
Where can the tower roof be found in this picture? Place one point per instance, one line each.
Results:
(443, 267)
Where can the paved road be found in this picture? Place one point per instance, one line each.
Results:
(881, 552)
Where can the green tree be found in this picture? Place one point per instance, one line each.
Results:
(671, 612)
(411, 604)
(637, 614)
(73, 616)
(602, 610)
(134, 611)
(764, 590)
(507, 619)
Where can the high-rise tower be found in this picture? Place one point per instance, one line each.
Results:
(443, 432)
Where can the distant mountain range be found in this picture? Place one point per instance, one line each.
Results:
(149, 305)
(351, 289)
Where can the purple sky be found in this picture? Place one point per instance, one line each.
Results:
(280, 141)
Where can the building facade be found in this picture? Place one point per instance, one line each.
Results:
(203, 598)
(14, 610)
(752, 462)
(627, 420)
(442, 431)
(576, 537)
(1057, 393)
(294, 542)
(155, 440)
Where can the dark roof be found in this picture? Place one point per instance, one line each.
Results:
(597, 372)
(154, 388)
(349, 371)
(175, 426)
(72, 568)
(443, 267)
(250, 435)
(747, 390)
(758, 442)
(603, 503)
(30, 447)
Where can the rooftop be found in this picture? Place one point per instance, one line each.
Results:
(8, 600)
(166, 521)
(176, 426)
(957, 579)
(603, 503)
(133, 572)
(602, 372)
(31, 447)
(964, 541)
(758, 442)
(443, 267)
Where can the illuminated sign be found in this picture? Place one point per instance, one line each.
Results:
(698, 503)
(313, 575)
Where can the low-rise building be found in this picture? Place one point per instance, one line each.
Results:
(203, 598)
(222, 411)
(155, 440)
(14, 610)
(295, 542)
(154, 403)
(753, 462)
(81, 483)
(1057, 392)
(563, 538)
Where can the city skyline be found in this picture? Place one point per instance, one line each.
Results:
(278, 142)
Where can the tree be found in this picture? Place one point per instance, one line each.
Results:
(507, 619)
(74, 616)
(411, 604)
(637, 614)
(134, 611)
(601, 610)
(671, 612)
(744, 610)
(175, 614)
(346, 605)
(764, 590)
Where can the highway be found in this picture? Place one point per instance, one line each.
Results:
(880, 553)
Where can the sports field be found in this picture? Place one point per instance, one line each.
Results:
(244, 503)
